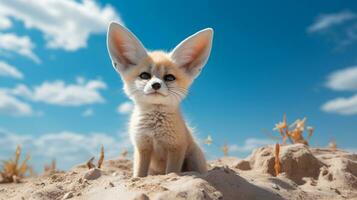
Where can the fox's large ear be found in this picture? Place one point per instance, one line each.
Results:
(124, 48)
(192, 53)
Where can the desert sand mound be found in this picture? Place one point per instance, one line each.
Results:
(307, 173)
(297, 162)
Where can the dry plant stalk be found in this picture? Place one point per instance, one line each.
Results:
(225, 149)
(277, 165)
(50, 169)
(101, 157)
(124, 153)
(90, 164)
(332, 145)
(282, 127)
(208, 140)
(12, 171)
(294, 132)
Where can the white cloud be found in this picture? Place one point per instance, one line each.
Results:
(82, 92)
(250, 144)
(339, 28)
(125, 108)
(342, 80)
(10, 71)
(343, 106)
(10, 105)
(88, 112)
(326, 21)
(22, 45)
(65, 24)
(68, 148)
(5, 23)
(345, 79)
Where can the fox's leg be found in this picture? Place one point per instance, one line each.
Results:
(142, 159)
(175, 160)
(195, 161)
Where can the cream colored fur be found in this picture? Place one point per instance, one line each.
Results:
(162, 141)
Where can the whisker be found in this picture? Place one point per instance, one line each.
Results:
(174, 93)
(181, 90)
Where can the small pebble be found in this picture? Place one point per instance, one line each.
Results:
(313, 183)
(338, 191)
(172, 174)
(174, 179)
(68, 195)
(226, 169)
(92, 174)
(111, 184)
(135, 179)
(80, 180)
(275, 186)
(218, 195)
(182, 195)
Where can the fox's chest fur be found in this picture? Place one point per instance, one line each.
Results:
(158, 129)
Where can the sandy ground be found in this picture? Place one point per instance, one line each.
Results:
(307, 174)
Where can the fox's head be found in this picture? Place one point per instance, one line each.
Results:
(157, 77)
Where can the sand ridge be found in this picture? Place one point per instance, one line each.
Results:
(307, 173)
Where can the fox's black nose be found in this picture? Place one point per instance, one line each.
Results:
(156, 86)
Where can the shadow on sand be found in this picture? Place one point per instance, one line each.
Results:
(234, 187)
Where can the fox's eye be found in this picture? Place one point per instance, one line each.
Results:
(145, 75)
(169, 77)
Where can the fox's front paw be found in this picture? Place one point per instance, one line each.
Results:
(141, 163)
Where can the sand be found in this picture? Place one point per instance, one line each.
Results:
(307, 174)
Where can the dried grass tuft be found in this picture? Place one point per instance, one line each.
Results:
(225, 150)
(51, 168)
(294, 132)
(90, 163)
(12, 171)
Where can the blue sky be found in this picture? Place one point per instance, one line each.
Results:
(60, 97)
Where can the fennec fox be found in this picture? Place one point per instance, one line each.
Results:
(157, 82)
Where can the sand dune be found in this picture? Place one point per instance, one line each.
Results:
(307, 173)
